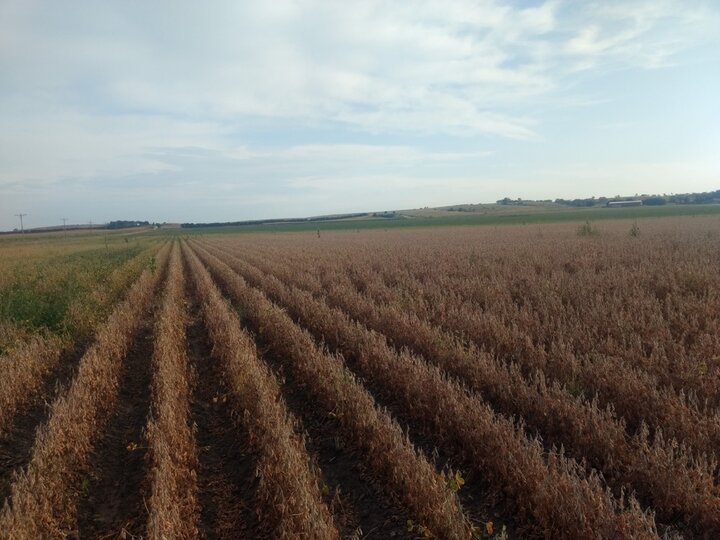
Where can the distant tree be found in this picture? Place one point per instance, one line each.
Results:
(654, 201)
(125, 224)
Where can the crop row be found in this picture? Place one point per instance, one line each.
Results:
(555, 491)
(383, 445)
(649, 306)
(648, 303)
(23, 372)
(173, 501)
(633, 392)
(289, 499)
(662, 472)
(42, 502)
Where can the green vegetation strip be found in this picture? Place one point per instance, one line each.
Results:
(40, 295)
(524, 216)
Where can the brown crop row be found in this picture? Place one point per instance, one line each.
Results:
(633, 392)
(42, 497)
(615, 381)
(173, 503)
(23, 372)
(384, 447)
(650, 303)
(555, 492)
(290, 502)
(663, 473)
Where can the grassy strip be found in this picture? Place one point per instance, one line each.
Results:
(557, 492)
(664, 473)
(40, 295)
(290, 501)
(42, 503)
(396, 465)
(25, 367)
(174, 509)
(89, 310)
(510, 217)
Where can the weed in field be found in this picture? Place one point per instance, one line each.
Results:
(502, 535)
(39, 301)
(455, 482)
(419, 529)
(489, 532)
(85, 486)
(574, 388)
(587, 229)
(40, 294)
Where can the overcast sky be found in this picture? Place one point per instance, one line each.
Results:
(213, 111)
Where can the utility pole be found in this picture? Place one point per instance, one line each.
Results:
(64, 220)
(22, 229)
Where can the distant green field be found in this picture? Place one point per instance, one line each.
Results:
(522, 216)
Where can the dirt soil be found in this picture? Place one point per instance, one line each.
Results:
(112, 501)
(360, 508)
(477, 496)
(226, 479)
(16, 443)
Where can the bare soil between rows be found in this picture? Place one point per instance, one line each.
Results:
(226, 478)
(16, 444)
(358, 504)
(477, 497)
(113, 494)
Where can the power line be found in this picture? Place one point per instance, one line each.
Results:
(22, 229)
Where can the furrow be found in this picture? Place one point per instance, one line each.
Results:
(406, 473)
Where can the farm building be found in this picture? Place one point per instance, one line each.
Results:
(615, 204)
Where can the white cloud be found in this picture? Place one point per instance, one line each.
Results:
(646, 34)
(95, 93)
(456, 67)
(56, 144)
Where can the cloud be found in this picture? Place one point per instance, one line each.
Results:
(254, 182)
(640, 34)
(304, 166)
(298, 94)
(456, 67)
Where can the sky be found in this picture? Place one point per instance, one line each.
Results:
(183, 111)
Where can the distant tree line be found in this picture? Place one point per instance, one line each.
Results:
(125, 224)
(118, 224)
(708, 197)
